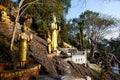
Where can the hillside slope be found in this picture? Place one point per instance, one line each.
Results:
(38, 50)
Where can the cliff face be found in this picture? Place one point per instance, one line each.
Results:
(37, 48)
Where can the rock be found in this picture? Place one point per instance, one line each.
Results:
(43, 77)
(38, 49)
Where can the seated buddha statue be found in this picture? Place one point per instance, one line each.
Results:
(4, 17)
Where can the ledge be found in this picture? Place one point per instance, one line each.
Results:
(19, 72)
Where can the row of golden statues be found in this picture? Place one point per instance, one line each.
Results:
(24, 38)
(52, 41)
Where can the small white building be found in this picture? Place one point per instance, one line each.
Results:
(79, 58)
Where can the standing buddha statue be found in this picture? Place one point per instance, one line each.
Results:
(54, 31)
(23, 39)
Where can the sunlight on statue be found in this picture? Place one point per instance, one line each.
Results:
(49, 43)
(55, 31)
(23, 39)
(4, 17)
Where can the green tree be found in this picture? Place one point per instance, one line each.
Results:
(115, 47)
(6, 3)
(77, 32)
(64, 29)
(44, 9)
(96, 27)
(80, 35)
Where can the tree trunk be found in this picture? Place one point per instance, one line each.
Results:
(94, 50)
(119, 67)
(13, 36)
(15, 26)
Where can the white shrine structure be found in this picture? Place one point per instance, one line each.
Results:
(80, 57)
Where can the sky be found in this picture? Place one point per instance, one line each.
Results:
(105, 7)
(14, 0)
(111, 8)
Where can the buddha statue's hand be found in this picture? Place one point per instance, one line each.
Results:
(59, 28)
(31, 36)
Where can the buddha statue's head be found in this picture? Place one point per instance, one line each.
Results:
(53, 18)
(4, 9)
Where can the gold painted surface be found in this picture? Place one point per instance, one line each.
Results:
(23, 39)
(4, 17)
(49, 43)
(51, 55)
(19, 72)
(54, 33)
(2, 7)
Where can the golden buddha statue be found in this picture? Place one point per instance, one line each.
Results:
(54, 30)
(49, 43)
(23, 39)
(4, 17)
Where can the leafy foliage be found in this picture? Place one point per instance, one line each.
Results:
(6, 3)
(4, 45)
(115, 47)
(94, 28)
(96, 25)
(42, 10)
